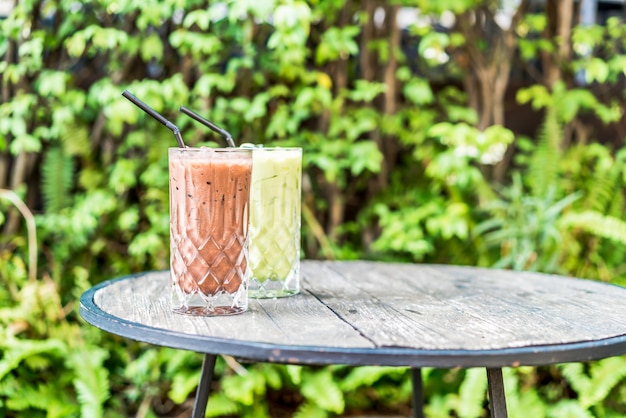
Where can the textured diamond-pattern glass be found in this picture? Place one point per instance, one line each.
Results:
(275, 201)
(209, 216)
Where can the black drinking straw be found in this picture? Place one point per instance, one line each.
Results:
(169, 125)
(210, 125)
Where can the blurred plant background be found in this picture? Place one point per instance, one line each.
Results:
(470, 132)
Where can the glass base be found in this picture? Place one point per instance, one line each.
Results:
(270, 289)
(206, 311)
(220, 304)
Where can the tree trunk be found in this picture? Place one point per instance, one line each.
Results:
(489, 66)
(387, 146)
(487, 69)
(366, 58)
(338, 72)
(560, 14)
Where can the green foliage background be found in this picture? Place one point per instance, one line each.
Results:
(395, 168)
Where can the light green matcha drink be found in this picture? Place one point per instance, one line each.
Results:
(275, 199)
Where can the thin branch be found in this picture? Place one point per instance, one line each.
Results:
(31, 228)
(317, 231)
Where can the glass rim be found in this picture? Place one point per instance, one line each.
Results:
(210, 149)
(277, 149)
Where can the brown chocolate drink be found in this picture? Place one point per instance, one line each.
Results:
(209, 199)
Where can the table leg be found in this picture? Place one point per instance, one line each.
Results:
(204, 386)
(497, 401)
(418, 393)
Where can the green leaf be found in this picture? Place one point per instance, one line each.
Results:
(367, 376)
(617, 64)
(258, 107)
(108, 38)
(152, 48)
(537, 95)
(367, 91)
(294, 373)
(272, 375)
(418, 91)
(76, 44)
(432, 47)
(472, 393)
(202, 18)
(221, 405)
(17, 125)
(52, 83)
(207, 82)
(244, 388)
(145, 243)
(128, 219)
(365, 156)
(25, 143)
(569, 103)
(337, 43)
(240, 104)
(295, 14)
(123, 176)
(596, 70)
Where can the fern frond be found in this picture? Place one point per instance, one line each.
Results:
(367, 376)
(91, 380)
(543, 165)
(90, 393)
(603, 176)
(596, 224)
(576, 376)
(605, 374)
(570, 409)
(47, 397)
(16, 351)
(322, 389)
(602, 190)
(182, 385)
(56, 179)
(310, 410)
(522, 401)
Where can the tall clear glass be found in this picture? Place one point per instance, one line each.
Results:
(275, 210)
(209, 235)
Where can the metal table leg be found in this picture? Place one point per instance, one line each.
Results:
(418, 393)
(497, 401)
(204, 386)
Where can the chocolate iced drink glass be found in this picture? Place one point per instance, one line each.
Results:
(209, 215)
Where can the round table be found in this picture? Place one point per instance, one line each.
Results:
(389, 314)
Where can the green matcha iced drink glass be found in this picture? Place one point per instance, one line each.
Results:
(275, 205)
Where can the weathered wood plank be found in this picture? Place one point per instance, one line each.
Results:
(460, 308)
(146, 301)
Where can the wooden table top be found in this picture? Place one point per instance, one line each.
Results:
(374, 313)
